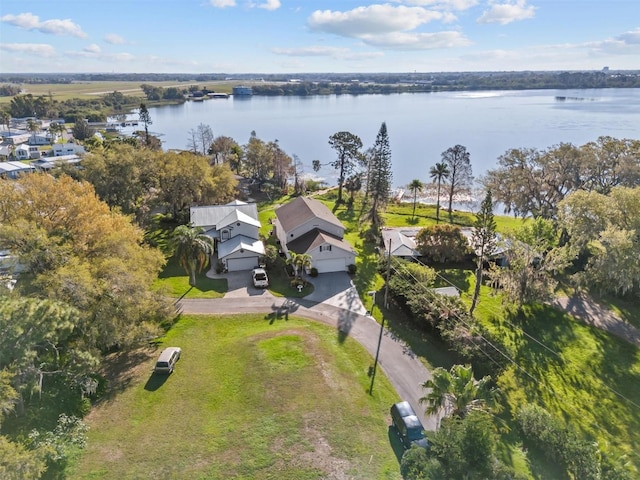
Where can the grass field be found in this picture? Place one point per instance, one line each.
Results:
(85, 90)
(174, 282)
(250, 399)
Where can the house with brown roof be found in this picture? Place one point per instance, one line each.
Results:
(305, 225)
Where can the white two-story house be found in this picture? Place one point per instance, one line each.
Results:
(234, 228)
(306, 225)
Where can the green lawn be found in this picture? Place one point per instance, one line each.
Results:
(174, 282)
(580, 374)
(250, 399)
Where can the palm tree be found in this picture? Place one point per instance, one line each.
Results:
(299, 262)
(193, 249)
(439, 172)
(457, 392)
(33, 127)
(5, 117)
(415, 186)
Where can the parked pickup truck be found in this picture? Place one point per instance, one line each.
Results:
(260, 279)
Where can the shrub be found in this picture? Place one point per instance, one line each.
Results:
(352, 269)
(313, 272)
(550, 435)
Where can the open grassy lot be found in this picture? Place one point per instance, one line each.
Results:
(66, 91)
(251, 399)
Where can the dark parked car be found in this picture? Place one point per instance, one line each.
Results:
(408, 425)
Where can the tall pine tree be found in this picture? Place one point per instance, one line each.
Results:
(380, 178)
(484, 241)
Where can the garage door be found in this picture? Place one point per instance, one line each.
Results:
(330, 265)
(237, 264)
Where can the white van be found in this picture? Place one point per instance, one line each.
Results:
(167, 360)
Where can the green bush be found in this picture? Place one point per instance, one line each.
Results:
(313, 271)
(549, 434)
(352, 269)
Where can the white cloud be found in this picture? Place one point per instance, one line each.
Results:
(102, 56)
(314, 51)
(504, 13)
(371, 20)
(93, 48)
(37, 49)
(631, 38)
(269, 5)
(442, 4)
(29, 21)
(417, 41)
(627, 43)
(114, 39)
(222, 3)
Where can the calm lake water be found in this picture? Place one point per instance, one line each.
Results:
(421, 126)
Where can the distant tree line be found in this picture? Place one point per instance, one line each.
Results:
(436, 81)
(93, 110)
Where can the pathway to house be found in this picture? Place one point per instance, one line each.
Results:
(594, 314)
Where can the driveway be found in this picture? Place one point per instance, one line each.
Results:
(335, 289)
(239, 285)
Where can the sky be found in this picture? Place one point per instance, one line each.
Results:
(306, 36)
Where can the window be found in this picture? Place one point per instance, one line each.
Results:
(225, 234)
(325, 248)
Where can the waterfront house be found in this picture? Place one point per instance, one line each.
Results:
(306, 225)
(235, 230)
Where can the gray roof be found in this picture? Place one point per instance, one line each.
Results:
(303, 209)
(401, 244)
(238, 243)
(211, 216)
(447, 291)
(315, 238)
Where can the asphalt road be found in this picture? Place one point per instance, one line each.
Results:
(403, 368)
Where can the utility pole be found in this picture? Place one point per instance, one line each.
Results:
(386, 293)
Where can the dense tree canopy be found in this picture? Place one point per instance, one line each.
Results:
(442, 243)
(83, 254)
(606, 227)
(533, 182)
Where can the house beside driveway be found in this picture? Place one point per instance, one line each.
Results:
(305, 225)
(234, 228)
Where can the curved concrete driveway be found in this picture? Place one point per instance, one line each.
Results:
(405, 371)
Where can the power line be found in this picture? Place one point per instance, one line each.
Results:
(433, 298)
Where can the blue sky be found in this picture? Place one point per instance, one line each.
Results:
(282, 36)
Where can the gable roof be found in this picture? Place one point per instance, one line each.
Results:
(314, 238)
(401, 244)
(303, 209)
(238, 243)
(212, 215)
(235, 217)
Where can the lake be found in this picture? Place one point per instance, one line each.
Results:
(421, 125)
